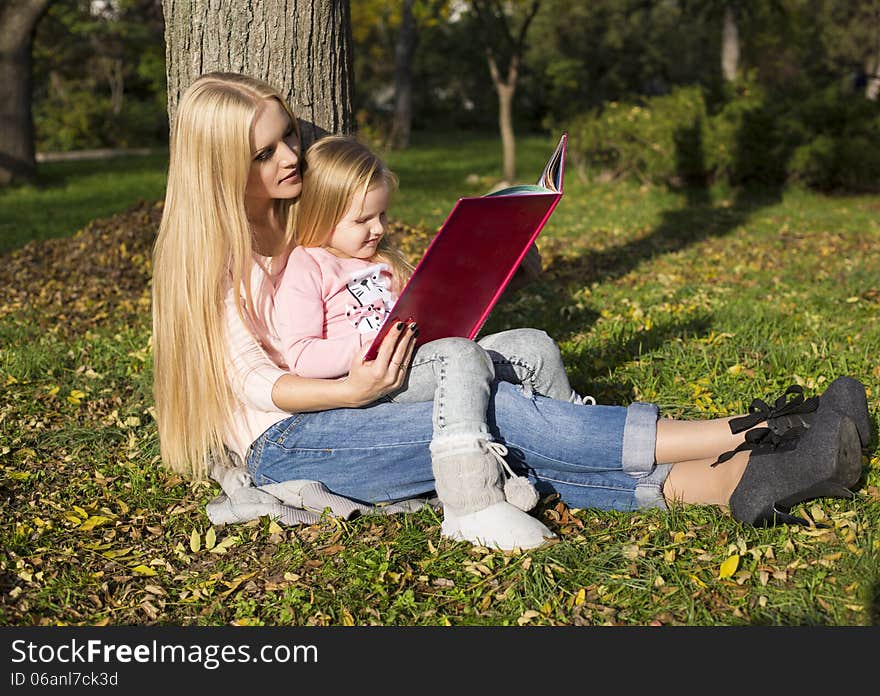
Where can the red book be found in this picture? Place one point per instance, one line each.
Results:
(473, 256)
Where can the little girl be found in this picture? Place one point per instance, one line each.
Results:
(339, 284)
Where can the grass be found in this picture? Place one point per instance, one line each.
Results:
(69, 194)
(696, 300)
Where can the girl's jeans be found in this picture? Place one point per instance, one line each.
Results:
(456, 375)
(592, 456)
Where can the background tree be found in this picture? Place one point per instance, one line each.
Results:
(99, 74)
(18, 19)
(302, 47)
(505, 37)
(404, 50)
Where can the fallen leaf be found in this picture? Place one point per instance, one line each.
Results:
(728, 568)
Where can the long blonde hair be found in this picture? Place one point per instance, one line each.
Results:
(203, 247)
(338, 168)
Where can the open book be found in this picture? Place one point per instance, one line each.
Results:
(474, 255)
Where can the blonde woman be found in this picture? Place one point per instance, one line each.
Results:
(223, 391)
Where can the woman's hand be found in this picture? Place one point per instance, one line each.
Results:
(370, 379)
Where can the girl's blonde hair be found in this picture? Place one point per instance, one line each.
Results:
(339, 169)
(203, 247)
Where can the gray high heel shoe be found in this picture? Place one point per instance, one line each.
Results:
(791, 410)
(823, 461)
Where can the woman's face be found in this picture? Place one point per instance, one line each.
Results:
(274, 171)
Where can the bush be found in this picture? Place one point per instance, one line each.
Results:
(824, 138)
(659, 140)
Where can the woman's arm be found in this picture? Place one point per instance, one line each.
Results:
(260, 383)
(367, 380)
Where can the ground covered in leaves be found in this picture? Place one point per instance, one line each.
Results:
(94, 531)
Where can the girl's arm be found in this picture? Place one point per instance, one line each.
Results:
(300, 319)
(367, 380)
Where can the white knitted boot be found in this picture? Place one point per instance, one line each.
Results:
(468, 480)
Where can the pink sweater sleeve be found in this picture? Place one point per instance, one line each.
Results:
(299, 319)
(252, 373)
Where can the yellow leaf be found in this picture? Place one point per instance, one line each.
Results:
(697, 580)
(728, 568)
(347, 618)
(580, 597)
(144, 570)
(94, 521)
(274, 527)
(210, 538)
(735, 369)
(195, 541)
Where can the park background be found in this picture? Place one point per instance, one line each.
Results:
(717, 242)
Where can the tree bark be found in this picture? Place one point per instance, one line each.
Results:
(404, 50)
(506, 88)
(18, 20)
(495, 23)
(872, 85)
(730, 45)
(301, 47)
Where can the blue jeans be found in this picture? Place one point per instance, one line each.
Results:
(592, 456)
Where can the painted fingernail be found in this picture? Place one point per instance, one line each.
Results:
(399, 326)
(415, 332)
(414, 326)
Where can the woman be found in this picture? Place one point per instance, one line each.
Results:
(221, 385)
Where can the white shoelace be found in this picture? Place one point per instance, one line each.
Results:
(500, 452)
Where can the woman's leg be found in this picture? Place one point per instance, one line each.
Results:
(600, 457)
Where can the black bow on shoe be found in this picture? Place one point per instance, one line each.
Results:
(763, 440)
(760, 410)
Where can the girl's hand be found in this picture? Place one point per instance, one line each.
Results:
(370, 379)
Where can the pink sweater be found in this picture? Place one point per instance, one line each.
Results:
(328, 308)
(254, 360)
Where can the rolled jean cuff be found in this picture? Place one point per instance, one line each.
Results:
(639, 443)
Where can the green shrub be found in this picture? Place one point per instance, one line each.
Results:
(660, 140)
(822, 138)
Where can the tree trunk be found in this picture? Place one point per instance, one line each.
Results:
(872, 86)
(18, 20)
(301, 47)
(730, 45)
(404, 50)
(505, 125)
(506, 88)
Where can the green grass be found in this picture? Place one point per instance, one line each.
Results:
(67, 195)
(696, 300)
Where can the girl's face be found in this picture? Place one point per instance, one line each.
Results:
(362, 227)
(274, 171)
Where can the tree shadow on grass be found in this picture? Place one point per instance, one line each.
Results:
(700, 218)
(586, 364)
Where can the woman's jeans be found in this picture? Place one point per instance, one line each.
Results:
(592, 456)
(456, 375)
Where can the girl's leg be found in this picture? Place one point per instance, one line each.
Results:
(531, 358)
(477, 505)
